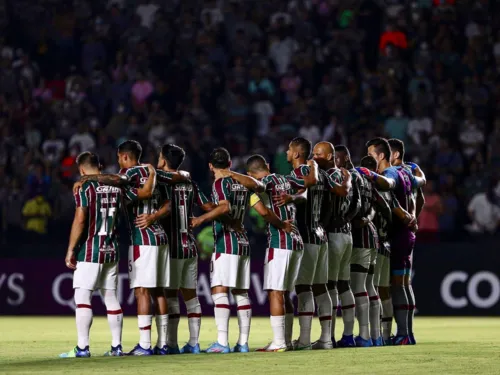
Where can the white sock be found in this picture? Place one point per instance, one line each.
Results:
(325, 316)
(348, 309)
(305, 310)
(244, 316)
(115, 316)
(221, 313)
(358, 280)
(387, 317)
(278, 327)
(174, 315)
(144, 322)
(194, 320)
(83, 316)
(288, 328)
(334, 296)
(374, 307)
(161, 329)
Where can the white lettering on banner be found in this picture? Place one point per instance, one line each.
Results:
(56, 290)
(203, 289)
(13, 287)
(473, 296)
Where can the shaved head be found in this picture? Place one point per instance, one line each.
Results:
(324, 155)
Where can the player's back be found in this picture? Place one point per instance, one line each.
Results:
(227, 240)
(100, 241)
(335, 206)
(364, 237)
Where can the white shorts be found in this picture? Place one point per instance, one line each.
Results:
(314, 265)
(148, 266)
(339, 256)
(281, 268)
(94, 276)
(183, 273)
(382, 275)
(363, 257)
(232, 271)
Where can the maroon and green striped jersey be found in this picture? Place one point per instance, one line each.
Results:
(309, 213)
(365, 237)
(182, 197)
(277, 238)
(337, 206)
(154, 235)
(103, 203)
(226, 239)
(382, 224)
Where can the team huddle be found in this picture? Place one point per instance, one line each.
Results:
(338, 235)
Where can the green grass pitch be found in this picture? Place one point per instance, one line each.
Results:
(445, 346)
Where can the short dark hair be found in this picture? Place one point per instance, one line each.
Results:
(220, 158)
(173, 154)
(88, 159)
(397, 145)
(256, 163)
(369, 162)
(304, 145)
(344, 149)
(131, 147)
(381, 147)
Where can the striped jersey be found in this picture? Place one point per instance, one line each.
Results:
(182, 197)
(382, 224)
(226, 239)
(103, 204)
(365, 237)
(337, 206)
(309, 214)
(154, 235)
(277, 238)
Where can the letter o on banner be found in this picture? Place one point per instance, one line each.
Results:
(475, 298)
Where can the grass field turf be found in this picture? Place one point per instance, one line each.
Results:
(445, 346)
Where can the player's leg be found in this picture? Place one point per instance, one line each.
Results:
(374, 310)
(399, 297)
(161, 303)
(188, 286)
(383, 284)
(346, 296)
(336, 249)
(322, 298)
(243, 304)
(305, 297)
(410, 294)
(293, 271)
(360, 264)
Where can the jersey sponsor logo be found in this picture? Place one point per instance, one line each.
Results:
(107, 189)
(238, 187)
(183, 187)
(283, 187)
(471, 295)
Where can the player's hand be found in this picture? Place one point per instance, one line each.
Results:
(237, 226)
(345, 173)
(312, 163)
(360, 223)
(144, 220)
(196, 222)
(283, 199)
(76, 186)
(412, 165)
(70, 260)
(289, 226)
(185, 174)
(365, 172)
(151, 169)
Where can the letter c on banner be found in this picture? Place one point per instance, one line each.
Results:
(475, 298)
(56, 290)
(448, 281)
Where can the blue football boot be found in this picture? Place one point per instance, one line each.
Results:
(412, 339)
(346, 342)
(401, 340)
(172, 349)
(378, 342)
(116, 351)
(363, 343)
(241, 348)
(218, 348)
(76, 353)
(139, 350)
(188, 349)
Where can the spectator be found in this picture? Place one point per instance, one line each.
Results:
(36, 212)
(428, 220)
(394, 37)
(83, 139)
(53, 147)
(484, 212)
(141, 90)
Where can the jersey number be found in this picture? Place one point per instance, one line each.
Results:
(315, 209)
(237, 212)
(110, 212)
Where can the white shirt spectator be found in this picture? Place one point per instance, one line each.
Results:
(157, 135)
(471, 138)
(264, 110)
(53, 149)
(485, 215)
(83, 140)
(281, 52)
(310, 132)
(147, 12)
(417, 126)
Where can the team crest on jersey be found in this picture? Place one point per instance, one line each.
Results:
(238, 187)
(107, 189)
(143, 180)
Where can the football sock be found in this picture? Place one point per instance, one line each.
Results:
(161, 329)
(83, 315)
(174, 315)
(411, 307)
(334, 296)
(305, 311)
(387, 316)
(278, 327)
(374, 308)
(194, 320)
(144, 322)
(325, 316)
(400, 305)
(348, 310)
(362, 302)
(288, 328)
(115, 316)
(221, 313)
(244, 316)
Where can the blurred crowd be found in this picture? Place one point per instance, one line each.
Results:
(249, 75)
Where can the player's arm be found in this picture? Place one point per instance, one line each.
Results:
(343, 188)
(420, 202)
(77, 229)
(305, 176)
(145, 220)
(355, 205)
(269, 215)
(222, 209)
(171, 178)
(249, 182)
(381, 182)
(299, 198)
(381, 205)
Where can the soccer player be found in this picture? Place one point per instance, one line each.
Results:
(148, 254)
(312, 278)
(284, 250)
(403, 238)
(174, 217)
(397, 159)
(230, 264)
(93, 251)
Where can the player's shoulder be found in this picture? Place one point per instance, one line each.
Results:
(301, 170)
(86, 187)
(133, 171)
